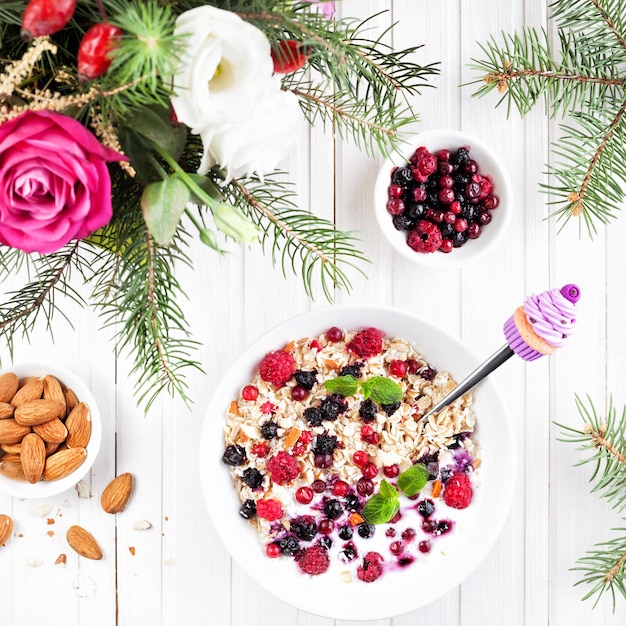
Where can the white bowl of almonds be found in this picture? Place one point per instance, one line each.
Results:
(50, 430)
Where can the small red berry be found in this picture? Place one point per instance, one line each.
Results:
(446, 195)
(326, 527)
(334, 334)
(360, 458)
(396, 547)
(299, 393)
(412, 366)
(473, 230)
(298, 448)
(419, 194)
(391, 471)
(456, 207)
(424, 546)
(269, 509)
(304, 495)
(319, 486)
(249, 393)
(491, 202)
(288, 56)
(460, 225)
(444, 155)
(45, 17)
(394, 191)
(306, 436)
(341, 488)
(364, 487)
(398, 368)
(446, 181)
(370, 470)
(447, 245)
(268, 407)
(395, 206)
(272, 550)
(314, 344)
(366, 431)
(94, 51)
(260, 449)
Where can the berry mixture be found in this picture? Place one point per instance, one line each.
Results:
(325, 421)
(441, 200)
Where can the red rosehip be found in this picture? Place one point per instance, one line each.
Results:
(45, 17)
(288, 56)
(94, 51)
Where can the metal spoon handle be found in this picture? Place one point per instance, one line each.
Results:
(482, 371)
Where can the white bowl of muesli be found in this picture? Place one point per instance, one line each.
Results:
(325, 484)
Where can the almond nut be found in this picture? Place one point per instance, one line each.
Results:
(11, 432)
(83, 542)
(9, 383)
(52, 389)
(31, 390)
(116, 493)
(12, 469)
(63, 462)
(78, 424)
(33, 457)
(39, 411)
(6, 410)
(6, 529)
(70, 399)
(52, 431)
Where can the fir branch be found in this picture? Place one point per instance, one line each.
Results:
(20, 312)
(605, 440)
(297, 236)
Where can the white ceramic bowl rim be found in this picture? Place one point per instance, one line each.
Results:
(399, 592)
(489, 163)
(45, 489)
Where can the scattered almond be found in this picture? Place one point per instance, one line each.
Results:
(6, 529)
(292, 437)
(142, 524)
(61, 560)
(9, 383)
(35, 412)
(52, 431)
(131, 549)
(82, 488)
(83, 543)
(33, 457)
(78, 425)
(31, 390)
(63, 462)
(42, 510)
(116, 493)
(436, 488)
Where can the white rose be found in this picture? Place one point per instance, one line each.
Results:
(226, 92)
(258, 142)
(225, 69)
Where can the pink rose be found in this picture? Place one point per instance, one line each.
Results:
(54, 182)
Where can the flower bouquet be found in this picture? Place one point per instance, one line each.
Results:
(127, 127)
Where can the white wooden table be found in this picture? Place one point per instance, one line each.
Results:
(178, 572)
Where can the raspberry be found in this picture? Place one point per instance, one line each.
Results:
(314, 560)
(283, 468)
(425, 238)
(458, 492)
(367, 343)
(277, 367)
(269, 509)
(372, 567)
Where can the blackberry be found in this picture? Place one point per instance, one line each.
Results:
(345, 533)
(367, 410)
(326, 542)
(447, 230)
(461, 179)
(390, 409)
(352, 370)
(456, 441)
(333, 509)
(314, 416)
(332, 406)
(425, 508)
(325, 444)
(234, 455)
(269, 430)
(288, 545)
(403, 176)
(306, 378)
(252, 477)
(349, 553)
(415, 210)
(304, 528)
(248, 509)
(470, 212)
(459, 239)
(366, 530)
(403, 222)
(446, 472)
(460, 157)
(433, 197)
(352, 502)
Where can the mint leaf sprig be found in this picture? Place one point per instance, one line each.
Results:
(381, 507)
(380, 389)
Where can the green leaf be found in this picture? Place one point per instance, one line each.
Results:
(386, 490)
(162, 204)
(413, 480)
(153, 123)
(209, 238)
(343, 385)
(382, 390)
(379, 510)
(207, 185)
(233, 223)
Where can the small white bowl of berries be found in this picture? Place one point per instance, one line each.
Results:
(445, 200)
